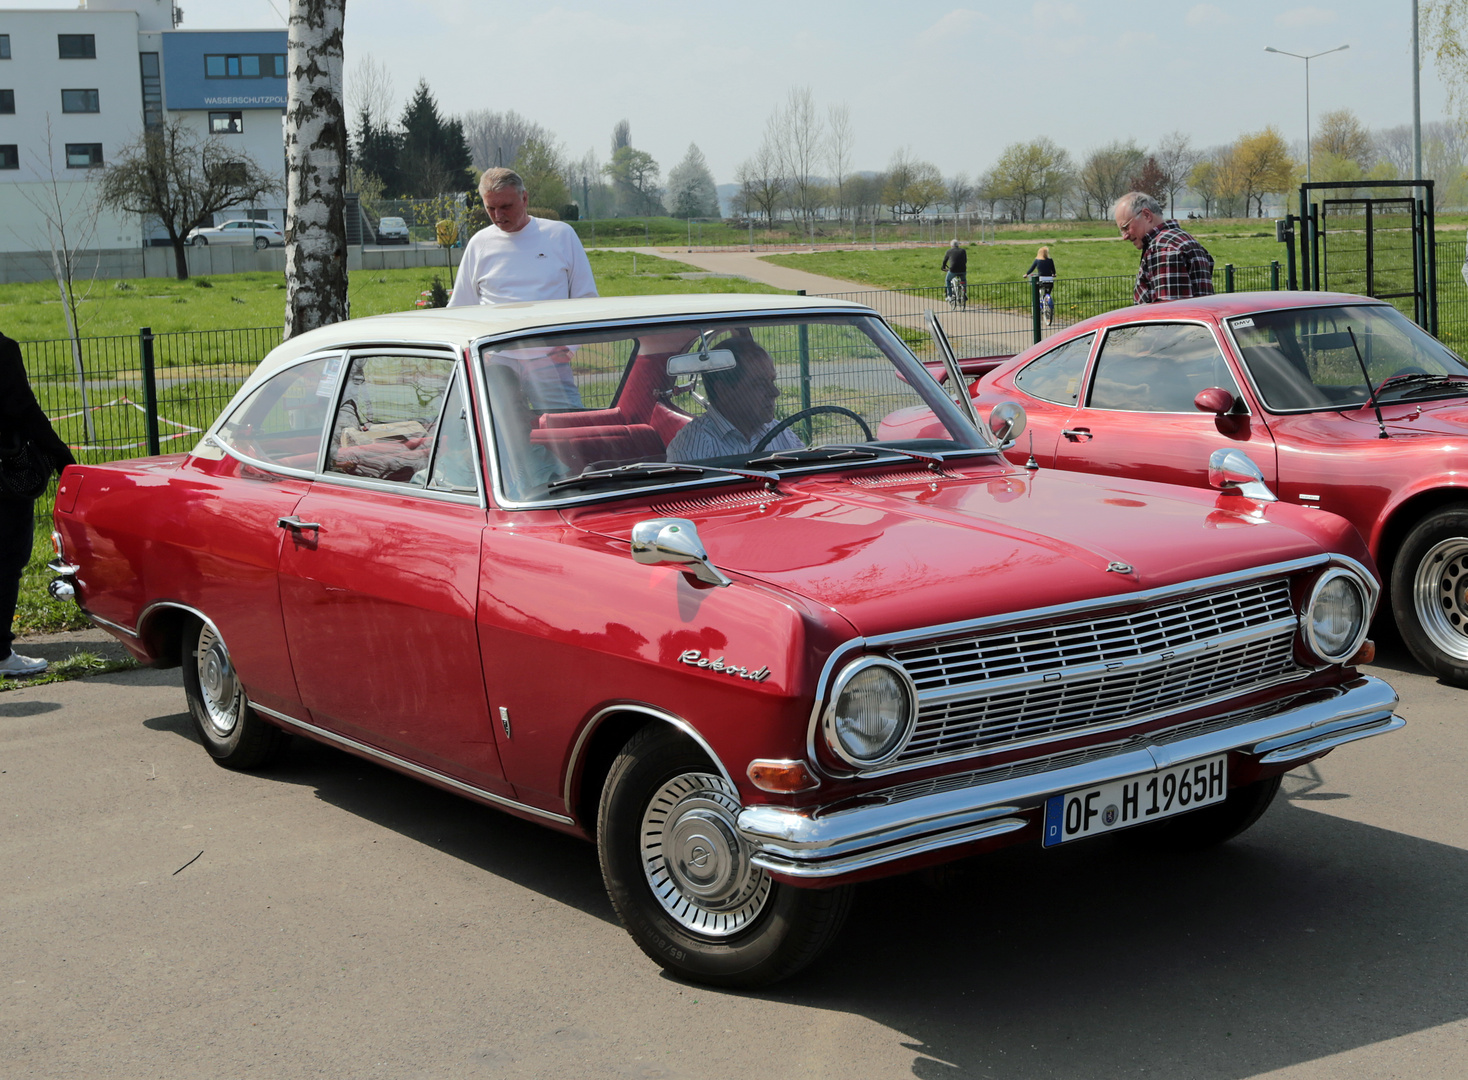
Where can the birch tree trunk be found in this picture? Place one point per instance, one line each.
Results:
(316, 156)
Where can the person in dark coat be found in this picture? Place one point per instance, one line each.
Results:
(21, 420)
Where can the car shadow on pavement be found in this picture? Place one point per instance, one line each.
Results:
(1309, 937)
(551, 863)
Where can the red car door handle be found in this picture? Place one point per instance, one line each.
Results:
(1077, 434)
(296, 523)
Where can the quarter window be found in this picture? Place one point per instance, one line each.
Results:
(80, 101)
(1056, 376)
(389, 414)
(7, 101)
(226, 123)
(83, 155)
(9, 156)
(283, 420)
(77, 46)
(1158, 367)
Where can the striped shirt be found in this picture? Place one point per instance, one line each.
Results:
(711, 436)
(1174, 267)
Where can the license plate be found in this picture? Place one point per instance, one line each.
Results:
(1135, 800)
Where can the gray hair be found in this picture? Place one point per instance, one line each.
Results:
(497, 179)
(1136, 202)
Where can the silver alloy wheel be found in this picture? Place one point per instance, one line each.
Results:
(697, 865)
(1440, 596)
(219, 689)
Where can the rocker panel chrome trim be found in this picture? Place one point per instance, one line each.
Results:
(411, 767)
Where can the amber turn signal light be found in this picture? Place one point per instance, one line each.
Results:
(781, 777)
(1365, 654)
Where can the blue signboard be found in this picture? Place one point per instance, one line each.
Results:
(224, 69)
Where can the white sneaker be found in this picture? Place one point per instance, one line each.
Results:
(22, 666)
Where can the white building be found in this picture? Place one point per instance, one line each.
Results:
(77, 86)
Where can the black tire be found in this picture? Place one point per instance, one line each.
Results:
(202, 241)
(261, 243)
(233, 734)
(730, 925)
(1429, 588)
(1211, 826)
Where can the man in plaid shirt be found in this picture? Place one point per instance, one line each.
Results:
(1174, 265)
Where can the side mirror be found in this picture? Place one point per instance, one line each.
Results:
(1234, 469)
(674, 540)
(1007, 421)
(1215, 400)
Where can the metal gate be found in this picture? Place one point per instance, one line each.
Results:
(1379, 245)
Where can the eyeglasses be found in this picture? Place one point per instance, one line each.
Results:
(1128, 224)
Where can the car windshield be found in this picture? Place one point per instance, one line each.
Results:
(1316, 359)
(628, 408)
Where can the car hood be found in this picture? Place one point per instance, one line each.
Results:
(1433, 419)
(891, 558)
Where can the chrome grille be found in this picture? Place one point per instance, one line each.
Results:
(996, 690)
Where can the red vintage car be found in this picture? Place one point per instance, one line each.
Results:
(1343, 403)
(645, 570)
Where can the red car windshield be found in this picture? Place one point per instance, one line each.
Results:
(1317, 359)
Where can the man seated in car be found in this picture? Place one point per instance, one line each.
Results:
(740, 412)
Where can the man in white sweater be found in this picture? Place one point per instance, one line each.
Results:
(519, 257)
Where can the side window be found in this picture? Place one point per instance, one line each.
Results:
(282, 421)
(1056, 376)
(1158, 367)
(453, 455)
(390, 408)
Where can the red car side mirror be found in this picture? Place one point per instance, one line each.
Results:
(1215, 400)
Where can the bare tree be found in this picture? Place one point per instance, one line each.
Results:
(316, 155)
(912, 185)
(182, 178)
(798, 135)
(761, 181)
(960, 192)
(839, 144)
(1107, 174)
(369, 89)
(1175, 157)
(495, 138)
(621, 135)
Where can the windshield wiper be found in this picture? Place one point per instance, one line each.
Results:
(1422, 380)
(833, 452)
(651, 470)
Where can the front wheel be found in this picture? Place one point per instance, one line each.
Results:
(681, 878)
(1430, 593)
(261, 243)
(202, 241)
(231, 731)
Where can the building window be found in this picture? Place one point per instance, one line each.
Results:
(245, 66)
(83, 155)
(77, 46)
(5, 52)
(152, 90)
(7, 101)
(226, 123)
(9, 156)
(80, 101)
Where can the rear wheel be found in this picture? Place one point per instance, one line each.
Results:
(681, 877)
(261, 243)
(232, 733)
(1430, 592)
(1212, 825)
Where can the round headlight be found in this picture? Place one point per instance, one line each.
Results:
(1336, 616)
(871, 714)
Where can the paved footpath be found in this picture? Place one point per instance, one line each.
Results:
(325, 918)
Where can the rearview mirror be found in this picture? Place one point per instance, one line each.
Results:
(697, 363)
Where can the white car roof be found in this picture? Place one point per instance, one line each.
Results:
(459, 326)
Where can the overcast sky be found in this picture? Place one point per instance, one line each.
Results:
(954, 84)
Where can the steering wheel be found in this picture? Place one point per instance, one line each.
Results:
(814, 410)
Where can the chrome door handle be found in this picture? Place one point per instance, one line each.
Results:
(1076, 434)
(296, 523)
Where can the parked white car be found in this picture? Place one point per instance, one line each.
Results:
(262, 234)
(393, 230)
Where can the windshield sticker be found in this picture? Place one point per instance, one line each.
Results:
(1243, 324)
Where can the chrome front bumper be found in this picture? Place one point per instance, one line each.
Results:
(820, 844)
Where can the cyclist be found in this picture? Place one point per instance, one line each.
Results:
(1043, 267)
(955, 261)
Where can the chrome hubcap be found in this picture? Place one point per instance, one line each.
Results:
(697, 865)
(1440, 595)
(218, 686)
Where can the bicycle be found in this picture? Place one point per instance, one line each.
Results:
(958, 294)
(1047, 301)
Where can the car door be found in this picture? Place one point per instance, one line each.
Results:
(1049, 386)
(379, 576)
(1138, 419)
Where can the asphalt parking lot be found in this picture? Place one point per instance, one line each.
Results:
(328, 918)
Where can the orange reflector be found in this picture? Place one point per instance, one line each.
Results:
(1365, 654)
(781, 776)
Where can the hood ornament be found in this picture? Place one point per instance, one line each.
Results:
(1115, 567)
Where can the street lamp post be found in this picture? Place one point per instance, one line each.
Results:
(1307, 59)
